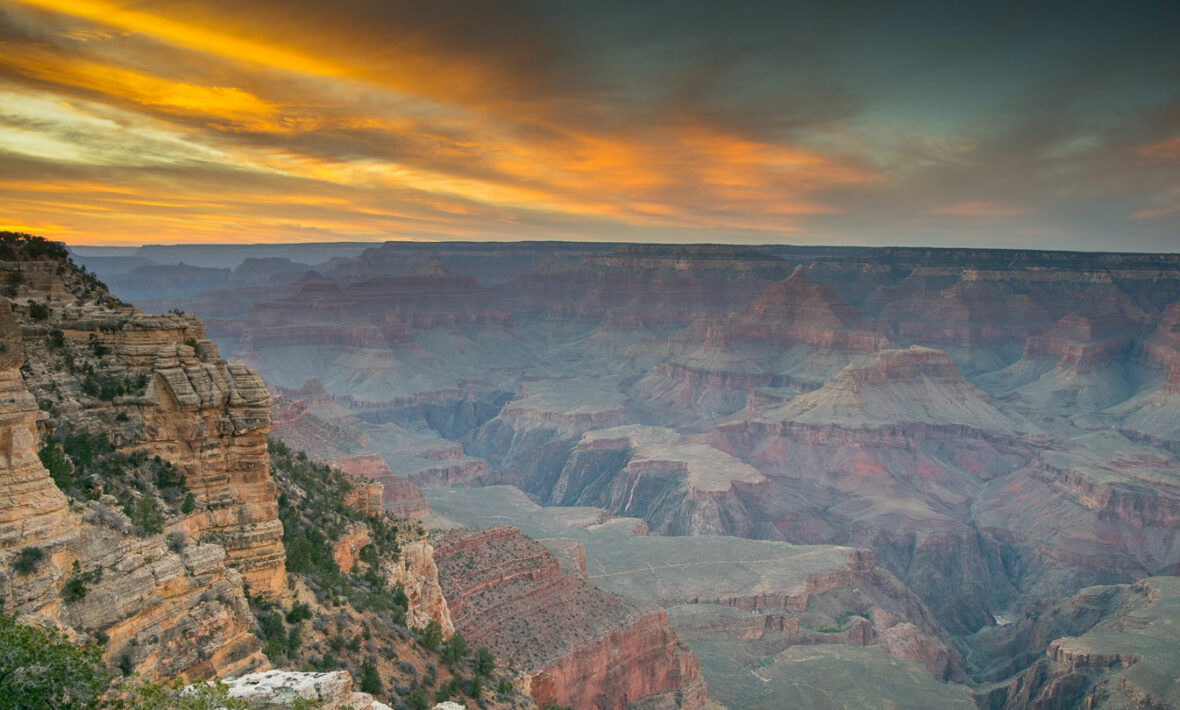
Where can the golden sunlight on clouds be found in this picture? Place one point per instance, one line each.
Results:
(205, 39)
(219, 106)
(298, 140)
(135, 122)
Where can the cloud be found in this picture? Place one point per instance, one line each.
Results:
(1167, 149)
(369, 119)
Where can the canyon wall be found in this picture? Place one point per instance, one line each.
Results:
(578, 645)
(169, 613)
(999, 427)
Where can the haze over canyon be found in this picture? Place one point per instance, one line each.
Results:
(765, 476)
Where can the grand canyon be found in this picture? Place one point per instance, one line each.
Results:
(655, 475)
(589, 355)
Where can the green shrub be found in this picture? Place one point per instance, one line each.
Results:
(38, 311)
(417, 699)
(431, 635)
(370, 678)
(485, 662)
(447, 690)
(213, 695)
(272, 632)
(145, 514)
(28, 560)
(40, 668)
(76, 587)
(299, 612)
(55, 461)
(456, 649)
(294, 641)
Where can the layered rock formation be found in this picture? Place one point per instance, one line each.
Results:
(210, 421)
(1024, 448)
(397, 495)
(736, 603)
(1124, 654)
(579, 646)
(678, 486)
(168, 613)
(798, 311)
(417, 573)
(33, 511)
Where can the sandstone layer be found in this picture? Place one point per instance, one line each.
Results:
(578, 645)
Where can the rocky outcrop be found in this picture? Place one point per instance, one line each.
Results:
(283, 689)
(644, 285)
(207, 418)
(210, 420)
(1162, 348)
(1125, 657)
(981, 308)
(417, 573)
(578, 645)
(397, 495)
(1156, 504)
(679, 487)
(33, 512)
(798, 311)
(168, 613)
(617, 671)
(346, 549)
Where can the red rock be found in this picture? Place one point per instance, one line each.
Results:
(578, 645)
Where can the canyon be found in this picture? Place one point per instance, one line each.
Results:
(145, 514)
(852, 467)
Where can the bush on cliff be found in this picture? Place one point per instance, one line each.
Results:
(41, 668)
(28, 560)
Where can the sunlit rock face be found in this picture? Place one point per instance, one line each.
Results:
(167, 612)
(33, 511)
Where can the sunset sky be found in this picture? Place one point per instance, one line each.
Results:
(956, 124)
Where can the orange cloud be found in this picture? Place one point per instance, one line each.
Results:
(1163, 150)
(192, 35)
(1157, 213)
(218, 105)
(408, 141)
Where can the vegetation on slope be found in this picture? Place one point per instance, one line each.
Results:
(40, 668)
(353, 619)
(337, 619)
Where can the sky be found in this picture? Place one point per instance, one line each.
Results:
(991, 124)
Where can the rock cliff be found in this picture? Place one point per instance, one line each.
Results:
(155, 387)
(578, 645)
(1123, 655)
(168, 612)
(1023, 449)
